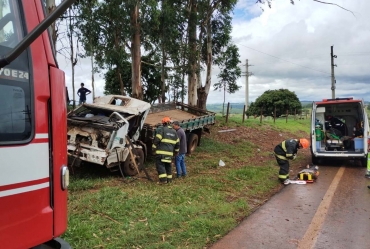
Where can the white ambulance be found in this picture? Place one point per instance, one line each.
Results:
(339, 129)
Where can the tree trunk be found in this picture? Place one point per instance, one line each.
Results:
(72, 58)
(50, 7)
(137, 90)
(117, 42)
(92, 76)
(163, 78)
(204, 91)
(119, 77)
(202, 98)
(192, 76)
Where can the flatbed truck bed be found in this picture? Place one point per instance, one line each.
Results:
(193, 120)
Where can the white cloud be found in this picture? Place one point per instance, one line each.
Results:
(298, 38)
(301, 35)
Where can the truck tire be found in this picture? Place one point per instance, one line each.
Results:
(315, 160)
(192, 142)
(129, 168)
(364, 162)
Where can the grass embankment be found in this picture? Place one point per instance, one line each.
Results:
(193, 212)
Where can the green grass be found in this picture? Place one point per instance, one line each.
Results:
(105, 212)
(292, 125)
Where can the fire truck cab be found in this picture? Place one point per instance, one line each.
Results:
(33, 171)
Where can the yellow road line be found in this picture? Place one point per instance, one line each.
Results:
(310, 237)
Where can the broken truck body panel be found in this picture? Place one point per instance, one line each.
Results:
(193, 120)
(97, 132)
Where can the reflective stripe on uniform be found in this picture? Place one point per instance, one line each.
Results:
(283, 146)
(284, 176)
(170, 141)
(280, 156)
(169, 176)
(166, 160)
(162, 176)
(177, 150)
(154, 146)
(163, 152)
(159, 136)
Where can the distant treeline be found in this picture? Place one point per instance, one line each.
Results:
(237, 108)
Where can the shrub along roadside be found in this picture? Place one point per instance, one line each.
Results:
(192, 212)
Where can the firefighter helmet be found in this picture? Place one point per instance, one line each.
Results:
(304, 143)
(166, 120)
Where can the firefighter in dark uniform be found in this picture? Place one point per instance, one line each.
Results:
(165, 143)
(288, 149)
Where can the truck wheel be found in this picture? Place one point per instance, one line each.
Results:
(315, 160)
(364, 162)
(192, 142)
(129, 168)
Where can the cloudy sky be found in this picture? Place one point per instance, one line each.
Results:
(288, 46)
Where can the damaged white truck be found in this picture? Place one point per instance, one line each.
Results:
(107, 133)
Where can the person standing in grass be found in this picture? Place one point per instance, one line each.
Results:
(180, 157)
(82, 92)
(288, 149)
(165, 143)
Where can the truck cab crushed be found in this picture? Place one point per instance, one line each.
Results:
(99, 133)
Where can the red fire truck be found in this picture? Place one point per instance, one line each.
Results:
(33, 156)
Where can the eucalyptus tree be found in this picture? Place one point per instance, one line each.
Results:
(73, 45)
(217, 29)
(206, 18)
(229, 71)
(172, 40)
(114, 29)
(192, 10)
(150, 76)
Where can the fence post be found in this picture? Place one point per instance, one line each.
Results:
(227, 112)
(286, 115)
(261, 116)
(243, 113)
(274, 114)
(295, 113)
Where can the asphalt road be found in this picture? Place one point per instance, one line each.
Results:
(333, 212)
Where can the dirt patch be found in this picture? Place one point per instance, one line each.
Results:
(264, 141)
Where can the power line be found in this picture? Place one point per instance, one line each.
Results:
(284, 59)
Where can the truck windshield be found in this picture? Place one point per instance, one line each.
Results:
(15, 98)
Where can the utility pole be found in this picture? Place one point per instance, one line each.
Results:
(333, 81)
(247, 74)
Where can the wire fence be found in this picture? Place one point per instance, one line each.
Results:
(228, 109)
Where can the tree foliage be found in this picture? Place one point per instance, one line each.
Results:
(282, 99)
(151, 79)
(215, 26)
(228, 62)
(185, 35)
